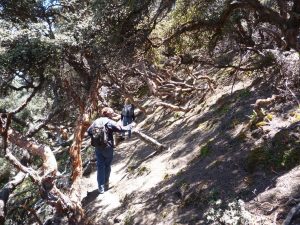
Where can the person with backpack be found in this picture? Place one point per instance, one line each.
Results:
(127, 115)
(101, 133)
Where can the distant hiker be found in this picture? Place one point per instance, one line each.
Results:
(127, 115)
(101, 133)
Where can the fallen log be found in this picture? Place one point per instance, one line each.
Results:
(172, 107)
(149, 140)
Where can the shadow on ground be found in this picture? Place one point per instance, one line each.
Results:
(220, 170)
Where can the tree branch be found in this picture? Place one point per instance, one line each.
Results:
(266, 15)
(32, 131)
(5, 193)
(35, 90)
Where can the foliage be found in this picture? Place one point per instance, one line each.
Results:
(205, 150)
(56, 50)
(281, 154)
(129, 219)
(233, 213)
(26, 194)
(4, 171)
(201, 198)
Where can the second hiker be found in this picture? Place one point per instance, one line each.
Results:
(127, 115)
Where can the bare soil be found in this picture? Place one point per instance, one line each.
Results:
(206, 163)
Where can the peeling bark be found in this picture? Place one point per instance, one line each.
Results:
(49, 161)
(48, 191)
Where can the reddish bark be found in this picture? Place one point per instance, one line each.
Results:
(43, 151)
(86, 107)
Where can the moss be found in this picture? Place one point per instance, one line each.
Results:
(4, 171)
(291, 158)
(201, 198)
(206, 149)
(223, 109)
(282, 154)
(167, 176)
(142, 171)
(130, 169)
(129, 219)
(203, 126)
(256, 158)
(178, 115)
(245, 93)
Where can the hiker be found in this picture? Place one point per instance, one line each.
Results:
(101, 133)
(127, 115)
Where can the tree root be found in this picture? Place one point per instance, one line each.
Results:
(264, 102)
(291, 214)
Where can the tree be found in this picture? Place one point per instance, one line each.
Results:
(63, 47)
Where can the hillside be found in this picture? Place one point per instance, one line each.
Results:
(210, 173)
(214, 83)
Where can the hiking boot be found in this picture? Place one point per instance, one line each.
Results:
(101, 189)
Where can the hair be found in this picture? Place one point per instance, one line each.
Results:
(127, 101)
(107, 111)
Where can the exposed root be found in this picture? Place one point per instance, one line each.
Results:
(291, 214)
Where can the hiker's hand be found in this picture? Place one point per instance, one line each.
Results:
(133, 124)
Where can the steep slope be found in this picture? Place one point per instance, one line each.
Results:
(210, 173)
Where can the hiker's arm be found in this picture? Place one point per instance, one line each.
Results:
(118, 128)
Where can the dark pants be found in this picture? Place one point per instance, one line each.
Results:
(104, 158)
(126, 121)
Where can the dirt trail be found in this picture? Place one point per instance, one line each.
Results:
(177, 185)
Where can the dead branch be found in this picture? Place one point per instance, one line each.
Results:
(35, 90)
(49, 161)
(172, 107)
(149, 139)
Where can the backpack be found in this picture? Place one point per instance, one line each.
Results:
(128, 110)
(99, 137)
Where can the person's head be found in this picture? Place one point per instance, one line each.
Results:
(127, 101)
(108, 112)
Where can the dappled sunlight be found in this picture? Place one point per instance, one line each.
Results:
(206, 161)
